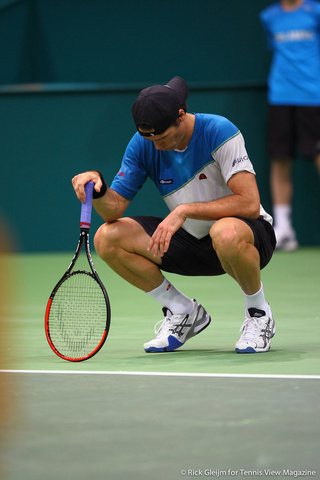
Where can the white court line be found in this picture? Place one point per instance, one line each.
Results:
(167, 374)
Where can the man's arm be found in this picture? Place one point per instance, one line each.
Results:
(110, 206)
(245, 202)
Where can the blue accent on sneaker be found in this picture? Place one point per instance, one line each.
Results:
(173, 345)
(246, 350)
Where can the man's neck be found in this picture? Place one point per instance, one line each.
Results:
(290, 5)
(189, 122)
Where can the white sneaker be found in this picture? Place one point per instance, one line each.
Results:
(286, 240)
(257, 330)
(175, 330)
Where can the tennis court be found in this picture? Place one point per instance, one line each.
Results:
(201, 411)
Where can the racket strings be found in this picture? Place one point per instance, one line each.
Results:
(77, 318)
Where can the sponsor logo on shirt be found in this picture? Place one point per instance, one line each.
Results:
(166, 182)
(121, 174)
(239, 160)
(294, 36)
(202, 176)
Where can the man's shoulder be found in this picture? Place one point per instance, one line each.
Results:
(138, 146)
(216, 126)
(215, 130)
(210, 121)
(270, 12)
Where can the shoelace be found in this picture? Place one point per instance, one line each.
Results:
(170, 324)
(161, 330)
(250, 327)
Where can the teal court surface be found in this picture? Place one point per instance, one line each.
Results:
(202, 411)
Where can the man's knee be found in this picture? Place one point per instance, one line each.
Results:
(106, 239)
(123, 234)
(223, 234)
(228, 234)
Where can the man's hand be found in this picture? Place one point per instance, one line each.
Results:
(79, 181)
(160, 240)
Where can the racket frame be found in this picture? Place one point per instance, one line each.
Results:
(83, 239)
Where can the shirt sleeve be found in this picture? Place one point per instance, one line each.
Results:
(264, 21)
(132, 174)
(232, 157)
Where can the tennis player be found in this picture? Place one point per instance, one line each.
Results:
(216, 224)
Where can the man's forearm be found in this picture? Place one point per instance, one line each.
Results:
(231, 206)
(111, 206)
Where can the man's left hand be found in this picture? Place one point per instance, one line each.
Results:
(161, 238)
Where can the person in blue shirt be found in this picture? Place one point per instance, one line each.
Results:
(215, 223)
(293, 33)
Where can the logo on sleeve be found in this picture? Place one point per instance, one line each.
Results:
(239, 160)
(202, 176)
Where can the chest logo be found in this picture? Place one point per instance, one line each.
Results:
(166, 182)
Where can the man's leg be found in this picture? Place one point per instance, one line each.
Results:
(233, 241)
(282, 191)
(281, 182)
(123, 246)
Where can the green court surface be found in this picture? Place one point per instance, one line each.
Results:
(201, 411)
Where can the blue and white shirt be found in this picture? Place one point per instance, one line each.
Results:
(200, 173)
(294, 38)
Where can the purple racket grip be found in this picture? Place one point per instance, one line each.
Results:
(86, 207)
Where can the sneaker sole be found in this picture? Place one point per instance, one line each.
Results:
(252, 350)
(174, 344)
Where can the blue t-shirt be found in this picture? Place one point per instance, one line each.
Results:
(294, 38)
(200, 173)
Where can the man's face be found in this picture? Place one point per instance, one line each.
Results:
(168, 140)
(172, 138)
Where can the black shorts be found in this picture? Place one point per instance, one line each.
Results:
(291, 127)
(190, 256)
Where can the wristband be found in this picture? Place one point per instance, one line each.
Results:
(103, 188)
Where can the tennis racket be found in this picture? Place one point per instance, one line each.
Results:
(77, 318)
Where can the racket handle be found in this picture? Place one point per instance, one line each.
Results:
(86, 207)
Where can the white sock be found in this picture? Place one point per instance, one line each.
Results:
(282, 217)
(168, 296)
(257, 300)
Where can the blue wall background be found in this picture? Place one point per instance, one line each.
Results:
(69, 73)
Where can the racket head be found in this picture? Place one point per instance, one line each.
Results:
(77, 318)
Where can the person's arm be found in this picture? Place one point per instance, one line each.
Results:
(110, 206)
(245, 202)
